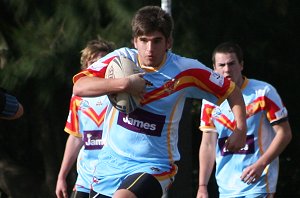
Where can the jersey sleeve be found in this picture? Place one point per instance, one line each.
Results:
(97, 69)
(72, 124)
(9, 105)
(220, 87)
(274, 107)
(206, 123)
(213, 86)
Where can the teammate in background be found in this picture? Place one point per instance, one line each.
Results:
(253, 170)
(139, 157)
(84, 125)
(10, 107)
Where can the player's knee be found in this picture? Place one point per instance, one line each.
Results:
(120, 193)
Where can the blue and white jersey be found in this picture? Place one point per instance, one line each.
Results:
(150, 133)
(264, 107)
(85, 120)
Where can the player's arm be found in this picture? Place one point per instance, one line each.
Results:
(72, 149)
(283, 136)
(94, 86)
(207, 155)
(16, 115)
(10, 107)
(238, 138)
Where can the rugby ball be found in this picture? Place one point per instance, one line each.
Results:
(121, 67)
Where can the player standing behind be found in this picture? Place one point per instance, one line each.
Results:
(10, 107)
(253, 170)
(139, 157)
(84, 125)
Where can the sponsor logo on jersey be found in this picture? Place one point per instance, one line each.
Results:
(142, 121)
(216, 79)
(84, 104)
(216, 112)
(155, 169)
(93, 140)
(252, 108)
(248, 148)
(170, 85)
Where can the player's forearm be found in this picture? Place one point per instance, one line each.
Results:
(72, 149)
(66, 166)
(238, 107)
(206, 163)
(205, 171)
(94, 86)
(281, 140)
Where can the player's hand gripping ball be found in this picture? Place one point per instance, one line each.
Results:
(121, 67)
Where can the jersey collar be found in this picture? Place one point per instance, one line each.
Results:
(245, 83)
(150, 68)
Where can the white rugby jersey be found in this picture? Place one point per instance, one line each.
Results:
(150, 133)
(264, 107)
(85, 120)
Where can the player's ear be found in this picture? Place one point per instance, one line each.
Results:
(169, 42)
(242, 65)
(134, 40)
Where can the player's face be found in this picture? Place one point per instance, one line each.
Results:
(152, 48)
(228, 65)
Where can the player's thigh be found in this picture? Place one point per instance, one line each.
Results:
(164, 174)
(141, 185)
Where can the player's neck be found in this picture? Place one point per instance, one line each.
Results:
(151, 68)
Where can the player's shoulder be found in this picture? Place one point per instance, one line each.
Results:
(185, 62)
(104, 61)
(207, 103)
(257, 81)
(260, 85)
(126, 52)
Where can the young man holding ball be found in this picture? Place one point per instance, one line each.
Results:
(139, 160)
